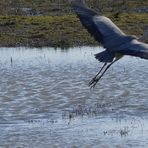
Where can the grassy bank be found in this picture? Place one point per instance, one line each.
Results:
(60, 7)
(60, 31)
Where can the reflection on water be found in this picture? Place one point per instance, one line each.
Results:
(45, 100)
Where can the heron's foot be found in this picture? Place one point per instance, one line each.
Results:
(93, 82)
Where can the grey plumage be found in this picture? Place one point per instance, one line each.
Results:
(115, 42)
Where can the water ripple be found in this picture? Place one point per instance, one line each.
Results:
(50, 84)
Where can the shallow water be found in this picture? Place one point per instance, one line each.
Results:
(45, 100)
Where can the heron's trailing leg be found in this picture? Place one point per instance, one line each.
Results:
(94, 78)
(93, 84)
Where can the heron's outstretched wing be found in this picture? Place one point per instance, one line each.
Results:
(86, 17)
(100, 27)
(134, 48)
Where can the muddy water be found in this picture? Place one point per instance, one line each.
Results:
(45, 100)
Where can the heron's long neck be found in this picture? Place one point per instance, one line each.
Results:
(144, 38)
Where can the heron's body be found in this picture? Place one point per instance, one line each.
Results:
(116, 43)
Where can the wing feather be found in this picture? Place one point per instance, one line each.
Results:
(86, 17)
(134, 48)
(100, 27)
(108, 34)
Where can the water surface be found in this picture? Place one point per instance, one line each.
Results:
(45, 100)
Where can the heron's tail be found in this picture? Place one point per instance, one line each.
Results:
(105, 56)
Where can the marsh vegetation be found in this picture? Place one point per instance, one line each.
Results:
(37, 23)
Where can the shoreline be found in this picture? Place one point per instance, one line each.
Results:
(60, 31)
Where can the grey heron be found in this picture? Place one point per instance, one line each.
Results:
(115, 42)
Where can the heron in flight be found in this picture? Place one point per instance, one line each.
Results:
(115, 42)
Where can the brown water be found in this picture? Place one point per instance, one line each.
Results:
(45, 100)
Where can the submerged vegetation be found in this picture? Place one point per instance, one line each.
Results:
(52, 23)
